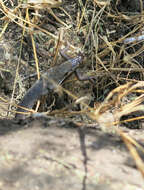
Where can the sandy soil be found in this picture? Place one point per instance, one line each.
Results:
(54, 154)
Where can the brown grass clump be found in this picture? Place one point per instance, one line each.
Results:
(109, 33)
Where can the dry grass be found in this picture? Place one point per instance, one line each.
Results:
(103, 30)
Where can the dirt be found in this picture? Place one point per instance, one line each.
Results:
(56, 153)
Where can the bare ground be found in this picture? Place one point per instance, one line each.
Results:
(54, 154)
